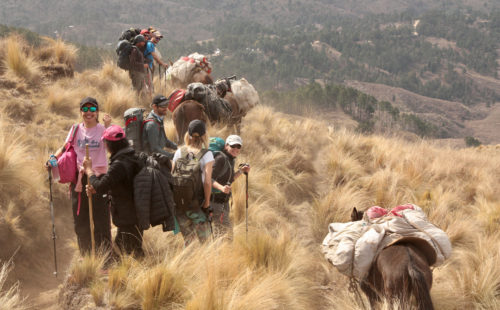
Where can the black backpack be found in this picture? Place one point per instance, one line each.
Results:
(130, 34)
(123, 50)
(187, 181)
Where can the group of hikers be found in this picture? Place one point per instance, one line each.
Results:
(109, 187)
(139, 53)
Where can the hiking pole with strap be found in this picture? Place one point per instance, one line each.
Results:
(246, 208)
(53, 222)
(91, 215)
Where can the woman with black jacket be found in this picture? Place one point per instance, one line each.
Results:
(119, 182)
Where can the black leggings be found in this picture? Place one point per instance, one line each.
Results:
(129, 240)
(102, 222)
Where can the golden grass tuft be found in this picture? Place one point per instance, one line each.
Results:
(56, 51)
(86, 271)
(116, 101)
(10, 299)
(15, 172)
(10, 220)
(18, 62)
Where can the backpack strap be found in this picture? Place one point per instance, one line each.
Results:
(147, 120)
(74, 129)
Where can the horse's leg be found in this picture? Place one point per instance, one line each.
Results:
(420, 276)
(372, 295)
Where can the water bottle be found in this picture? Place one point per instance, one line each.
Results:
(54, 168)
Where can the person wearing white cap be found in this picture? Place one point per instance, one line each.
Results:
(223, 176)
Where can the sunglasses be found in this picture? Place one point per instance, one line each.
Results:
(86, 109)
(236, 146)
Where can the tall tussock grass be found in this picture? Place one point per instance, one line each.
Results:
(18, 62)
(10, 298)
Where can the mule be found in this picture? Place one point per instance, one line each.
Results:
(198, 75)
(398, 272)
(192, 110)
(186, 112)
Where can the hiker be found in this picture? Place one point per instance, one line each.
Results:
(222, 177)
(192, 165)
(153, 134)
(89, 132)
(137, 71)
(118, 182)
(151, 55)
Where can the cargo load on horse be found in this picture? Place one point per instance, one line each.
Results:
(216, 108)
(246, 96)
(352, 247)
(186, 70)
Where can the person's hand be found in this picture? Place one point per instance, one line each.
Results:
(227, 189)
(107, 120)
(90, 190)
(87, 163)
(245, 169)
(146, 66)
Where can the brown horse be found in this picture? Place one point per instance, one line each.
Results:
(190, 110)
(398, 271)
(186, 112)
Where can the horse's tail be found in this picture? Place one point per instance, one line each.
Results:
(419, 286)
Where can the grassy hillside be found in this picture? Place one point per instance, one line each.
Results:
(306, 173)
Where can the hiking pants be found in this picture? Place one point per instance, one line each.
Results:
(102, 223)
(129, 240)
(220, 219)
(137, 80)
(192, 225)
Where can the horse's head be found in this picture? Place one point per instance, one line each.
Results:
(356, 215)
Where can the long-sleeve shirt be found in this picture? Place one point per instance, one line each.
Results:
(154, 137)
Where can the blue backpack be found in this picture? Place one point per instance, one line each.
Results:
(216, 145)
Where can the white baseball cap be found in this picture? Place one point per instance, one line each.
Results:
(233, 140)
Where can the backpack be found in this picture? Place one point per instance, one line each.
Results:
(130, 34)
(134, 124)
(134, 118)
(123, 50)
(187, 181)
(216, 145)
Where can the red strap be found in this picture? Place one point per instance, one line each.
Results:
(151, 120)
(130, 120)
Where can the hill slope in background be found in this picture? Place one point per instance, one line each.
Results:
(99, 23)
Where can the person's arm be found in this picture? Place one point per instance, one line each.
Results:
(170, 144)
(158, 60)
(116, 173)
(153, 138)
(207, 184)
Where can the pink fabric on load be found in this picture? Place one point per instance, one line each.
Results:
(395, 210)
(376, 212)
(92, 137)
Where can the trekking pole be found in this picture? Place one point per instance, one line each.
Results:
(91, 215)
(53, 222)
(246, 208)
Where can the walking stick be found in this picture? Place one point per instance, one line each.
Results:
(246, 208)
(91, 215)
(53, 223)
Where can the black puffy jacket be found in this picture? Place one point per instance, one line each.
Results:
(119, 182)
(153, 193)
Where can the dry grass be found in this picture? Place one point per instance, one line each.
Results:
(10, 299)
(18, 62)
(56, 51)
